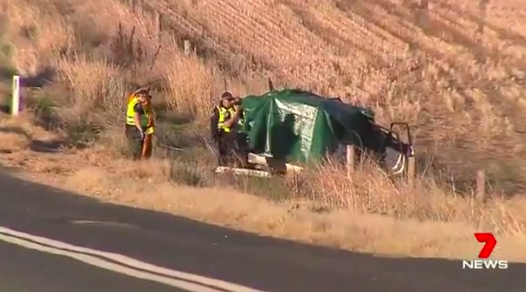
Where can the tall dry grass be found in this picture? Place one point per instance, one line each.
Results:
(428, 199)
(466, 111)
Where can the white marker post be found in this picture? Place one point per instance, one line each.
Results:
(15, 101)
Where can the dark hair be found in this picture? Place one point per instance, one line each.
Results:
(143, 92)
(227, 95)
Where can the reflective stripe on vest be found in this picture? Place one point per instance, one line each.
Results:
(222, 117)
(146, 119)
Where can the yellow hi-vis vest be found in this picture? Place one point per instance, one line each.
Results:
(146, 119)
(222, 117)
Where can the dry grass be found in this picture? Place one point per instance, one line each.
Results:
(426, 223)
(451, 70)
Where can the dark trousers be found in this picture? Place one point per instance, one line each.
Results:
(140, 148)
(232, 149)
(225, 145)
(242, 149)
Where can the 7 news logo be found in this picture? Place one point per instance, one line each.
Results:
(484, 263)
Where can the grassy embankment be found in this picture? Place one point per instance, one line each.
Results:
(461, 87)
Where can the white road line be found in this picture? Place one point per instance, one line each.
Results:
(111, 266)
(57, 247)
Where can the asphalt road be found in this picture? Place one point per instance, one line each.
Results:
(26, 270)
(28, 263)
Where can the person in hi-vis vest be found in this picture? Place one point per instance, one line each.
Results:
(222, 128)
(242, 143)
(140, 123)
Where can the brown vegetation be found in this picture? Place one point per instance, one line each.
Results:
(453, 69)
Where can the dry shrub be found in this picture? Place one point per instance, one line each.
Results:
(365, 54)
(190, 83)
(95, 85)
(38, 31)
(93, 100)
(193, 84)
(430, 198)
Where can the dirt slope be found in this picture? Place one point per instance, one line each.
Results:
(453, 69)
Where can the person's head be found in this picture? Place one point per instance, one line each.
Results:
(237, 103)
(143, 95)
(227, 99)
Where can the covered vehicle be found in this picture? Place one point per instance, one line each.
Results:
(301, 127)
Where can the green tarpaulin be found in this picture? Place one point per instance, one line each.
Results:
(301, 126)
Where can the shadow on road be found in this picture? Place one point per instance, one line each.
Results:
(260, 262)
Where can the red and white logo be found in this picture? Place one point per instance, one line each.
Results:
(483, 262)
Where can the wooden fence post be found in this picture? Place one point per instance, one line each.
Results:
(411, 169)
(350, 153)
(481, 186)
(187, 47)
(134, 5)
(481, 25)
(422, 13)
(159, 19)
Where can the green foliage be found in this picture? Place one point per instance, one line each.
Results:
(6, 49)
(42, 105)
(82, 132)
(31, 32)
(276, 189)
(7, 70)
(188, 173)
